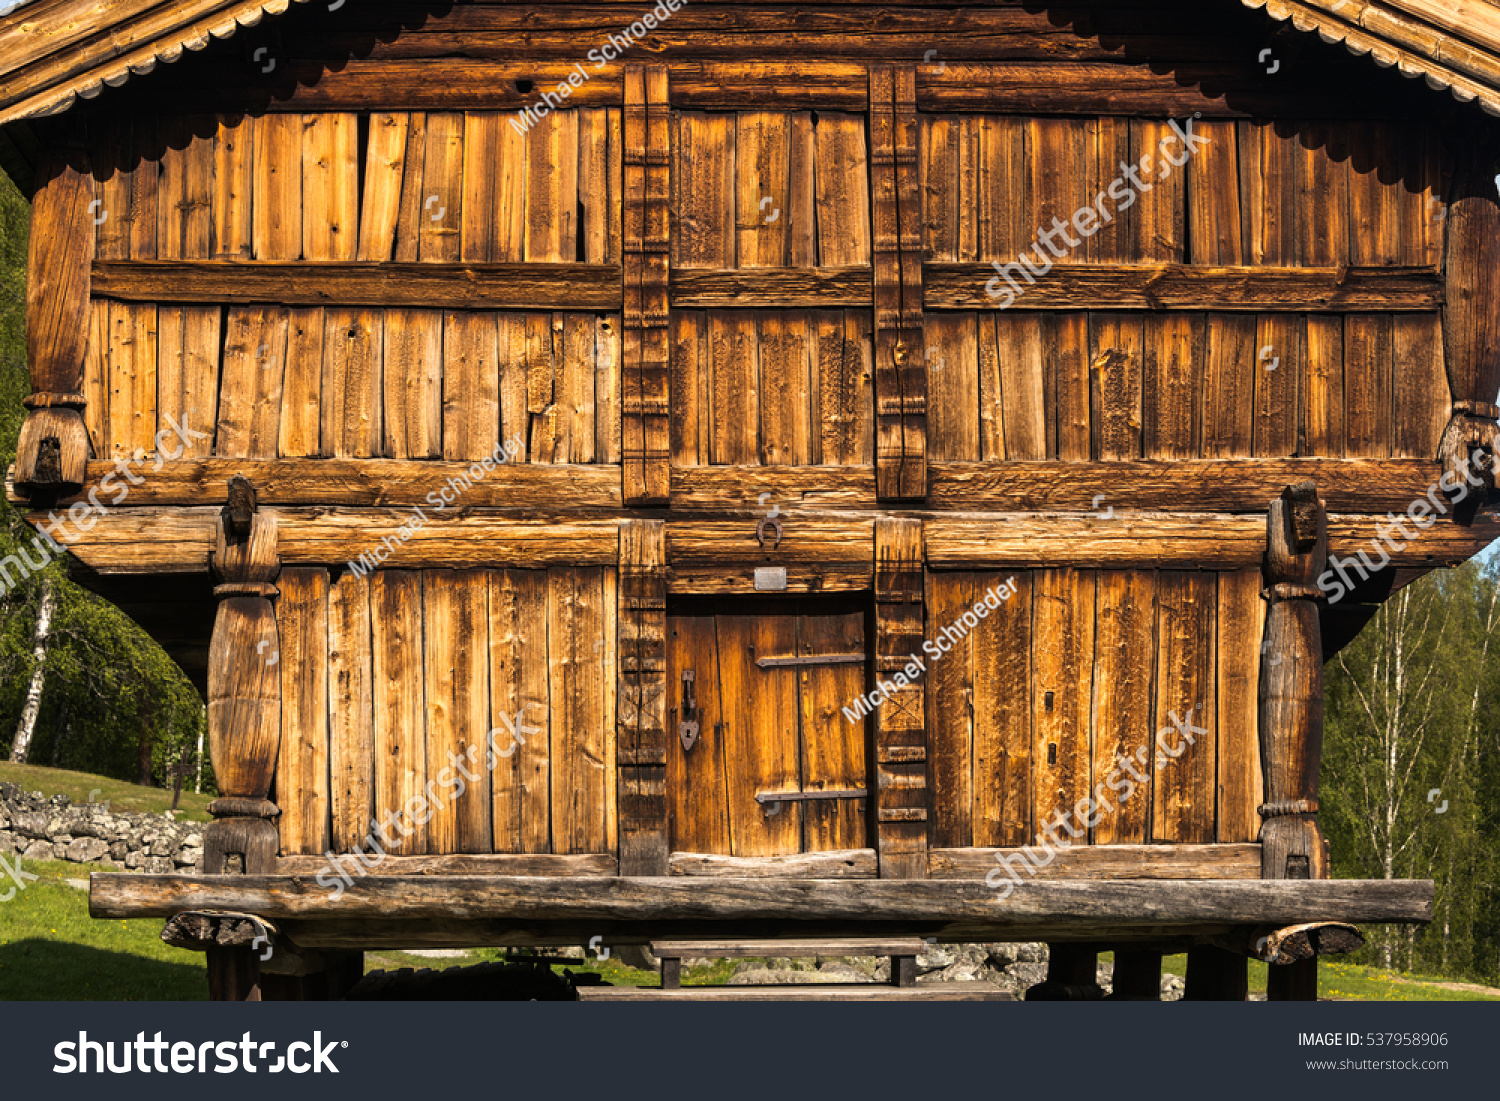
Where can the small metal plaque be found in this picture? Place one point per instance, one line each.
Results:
(770, 579)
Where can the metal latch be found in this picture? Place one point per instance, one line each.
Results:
(687, 729)
(771, 801)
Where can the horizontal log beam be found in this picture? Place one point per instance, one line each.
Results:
(947, 286)
(833, 545)
(1066, 903)
(371, 482)
(951, 286)
(799, 288)
(1196, 485)
(840, 864)
(322, 283)
(1214, 89)
(540, 864)
(1237, 861)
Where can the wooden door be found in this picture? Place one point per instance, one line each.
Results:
(770, 721)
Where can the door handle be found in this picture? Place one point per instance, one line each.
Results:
(687, 729)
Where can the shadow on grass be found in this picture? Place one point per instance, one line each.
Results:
(47, 970)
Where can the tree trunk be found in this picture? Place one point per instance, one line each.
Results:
(33, 705)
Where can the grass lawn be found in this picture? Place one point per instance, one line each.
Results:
(121, 796)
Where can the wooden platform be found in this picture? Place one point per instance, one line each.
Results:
(902, 952)
(802, 992)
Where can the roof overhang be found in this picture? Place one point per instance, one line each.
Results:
(1453, 44)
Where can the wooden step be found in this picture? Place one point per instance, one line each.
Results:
(974, 991)
(787, 949)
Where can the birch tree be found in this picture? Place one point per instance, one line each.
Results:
(33, 705)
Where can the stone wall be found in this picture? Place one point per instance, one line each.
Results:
(37, 827)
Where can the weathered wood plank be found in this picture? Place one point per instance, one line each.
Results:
(455, 650)
(399, 707)
(187, 380)
(479, 864)
(520, 771)
(953, 719)
(1110, 862)
(277, 166)
(1241, 624)
(351, 716)
(330, 187)
(1070, 906)
(385, 168)
(413, 389)
(1061, 695)
(430, 285)
(301, 429)
(575, 670)
(1077, 286)
(303, 770)
(255, 347)
(1124, 664)
(353, 361)
(1185, 769)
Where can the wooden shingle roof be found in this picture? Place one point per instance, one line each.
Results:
(1453, 44)
(54, 52)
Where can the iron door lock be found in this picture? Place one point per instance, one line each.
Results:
(687, 729)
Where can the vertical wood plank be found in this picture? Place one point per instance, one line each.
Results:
(1117, 377)
(1061, 695)
(441, 215)
(703, 190)
(574, 623)
(132, 378)
(185, 190)
(1368, 350)
(762, 148)
(385, 169)
(696, 781)
(1184, 775)
(1322, 162)
(552, 189)
(97, 376)
(479, 232)
(953, 388)
(760, 712)
(833, 751)
(400, 707)
(414, 194)
(1422, 401)
(519, 663)
(576, 410)
(1173, 382)
(734, 414)
(330, 186)
(952, 723)
(786, 434)
(470, 384)
(1268, 191)
(1004, 812)
(1323, 382)
(606, 372)
(1018, 337)
(300, 434)
(1279, 344)
(1213, 197)
(187, 372)
(842, 190)
(455, 607)
(277, 165)
(352, 366)
(351, 714)
(302, 772)
(1156, 221)
(846, 424)
(255, 345)
(1229, 406)
(1242, 615)
(599, 184)
(234, 188)
(1065, 336)
(1124, 668)
(413, 414)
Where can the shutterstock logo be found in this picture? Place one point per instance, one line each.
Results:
(143, 1056)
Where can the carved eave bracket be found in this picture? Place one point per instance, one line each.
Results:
(1469, 446)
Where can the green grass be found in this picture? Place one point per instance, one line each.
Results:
(1350, 982)
(51, 950)
(78, 786)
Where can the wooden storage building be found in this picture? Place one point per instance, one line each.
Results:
(648, 400)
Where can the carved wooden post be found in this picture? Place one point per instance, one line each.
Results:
(901, 734)
(1291, 693)
(53, 450)
(900, 354)
(641, 746)
(244, 716)
(1471, 309)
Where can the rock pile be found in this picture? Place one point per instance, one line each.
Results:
(36, 827)
(1012, 967)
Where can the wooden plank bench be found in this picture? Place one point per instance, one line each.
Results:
(903, 952)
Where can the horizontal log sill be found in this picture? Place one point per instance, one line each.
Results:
(946, 286)
(612, 902)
